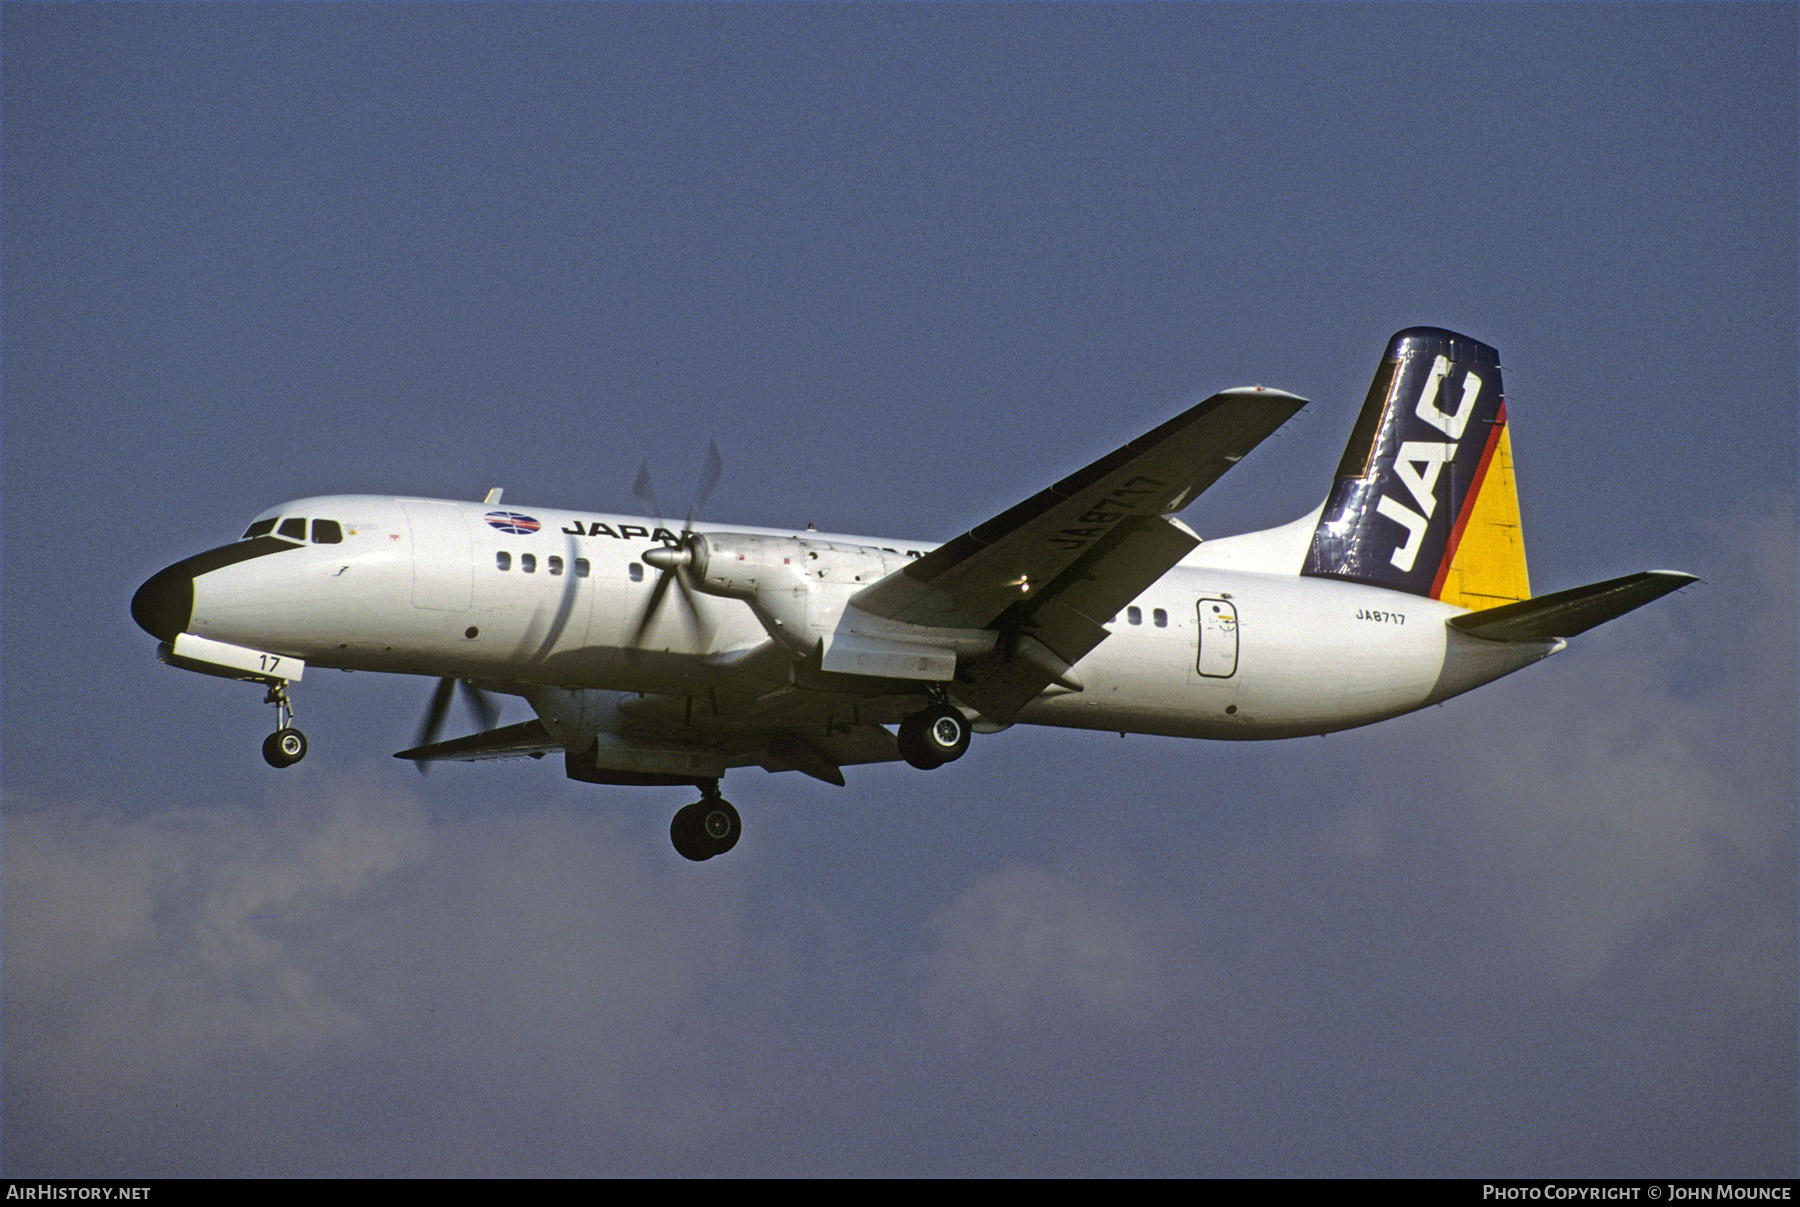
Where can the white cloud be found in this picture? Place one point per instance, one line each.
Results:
(1657, 764)
(135, 937)
(343, 944)
(1023, 940)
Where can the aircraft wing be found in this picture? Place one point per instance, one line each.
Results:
(818, 747)
(973, 580)
(526, 739)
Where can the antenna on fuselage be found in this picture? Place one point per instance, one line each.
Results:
(493, 496)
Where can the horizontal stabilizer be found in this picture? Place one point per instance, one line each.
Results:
(1568, 613)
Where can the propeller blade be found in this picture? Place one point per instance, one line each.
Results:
(655, 601)
(687, 598)
(434, 718)
(710, 473)
(645, 493)
(671, 562)
(487, 713)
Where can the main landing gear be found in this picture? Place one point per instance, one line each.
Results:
(933, 736)
(287, 745)
(708, 827)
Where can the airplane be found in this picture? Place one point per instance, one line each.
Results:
(660, 656)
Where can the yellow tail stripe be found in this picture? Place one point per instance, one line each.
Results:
(1488, 567)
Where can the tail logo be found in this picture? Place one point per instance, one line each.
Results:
(1418, 463)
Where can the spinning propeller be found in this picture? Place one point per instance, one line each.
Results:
(672, 560)
(480, 703)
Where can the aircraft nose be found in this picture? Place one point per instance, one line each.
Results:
(165, 603)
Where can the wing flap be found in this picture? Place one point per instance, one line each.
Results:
(823, 756)
(1049, 634)
(1070, 616)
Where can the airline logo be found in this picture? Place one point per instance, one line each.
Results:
(512, 522)
(1418, 463)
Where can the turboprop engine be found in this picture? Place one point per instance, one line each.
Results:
(767, 572)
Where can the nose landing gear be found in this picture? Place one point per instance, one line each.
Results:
(287, 745)
(708, 827)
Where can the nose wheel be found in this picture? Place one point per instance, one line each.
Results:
(284, 747)
(287, 745)
(708, 827)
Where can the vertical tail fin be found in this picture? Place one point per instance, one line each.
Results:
(1424, 500)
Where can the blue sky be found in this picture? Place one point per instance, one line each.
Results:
(907, 264)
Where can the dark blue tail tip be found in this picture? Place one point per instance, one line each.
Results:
(1436, 341)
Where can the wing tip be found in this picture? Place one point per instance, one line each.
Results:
(1263, 392)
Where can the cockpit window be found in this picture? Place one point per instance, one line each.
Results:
(260, 528)
(294, 528)
(327, 532)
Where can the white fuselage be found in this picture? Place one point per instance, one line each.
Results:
(1232, 643)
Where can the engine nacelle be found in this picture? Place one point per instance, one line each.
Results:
(801, 590)
(592, 731)
(740, 566)
(797, 587)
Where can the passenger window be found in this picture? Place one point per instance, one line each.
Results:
(1161, 618)
(1134, 614)
(637, 573)
(294, 528)
(581, 567)
(327, 532)
(555, 564)
(260, 528)
(528, 563)
(503, 559)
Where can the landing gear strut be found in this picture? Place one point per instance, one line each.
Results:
(933, 736)
(708, 827)
(287, 745)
